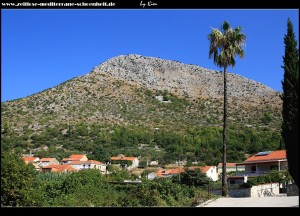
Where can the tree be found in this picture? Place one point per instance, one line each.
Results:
(100, 153)
(225, 44)
(19, 185)
(290, 97)
(194, 178)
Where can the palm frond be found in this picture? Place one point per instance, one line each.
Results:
(225, 26)
(225, 44)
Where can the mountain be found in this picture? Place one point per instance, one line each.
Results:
(148, 92)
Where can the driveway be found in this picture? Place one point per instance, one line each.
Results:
(287, 201)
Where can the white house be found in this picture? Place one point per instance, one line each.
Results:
(90, 164)
(130, 162)
(210, 171)
(260, 164)
(47, 161)
(263, 162)
(74, 157)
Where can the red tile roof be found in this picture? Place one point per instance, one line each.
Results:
(122, 157)
(227, 165)
(86, 162)
(75, 162)
(167, 172)
(60, 168)
(203, 169)
(76, 156)
(177, 171)
(95, 162)
(273, 156)
(46, 159)
(31, 159)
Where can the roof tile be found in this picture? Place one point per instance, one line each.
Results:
(203, 169)
(60, 168)
(77, 156)
(29, 158)
(46, 159)
(273, 156)
(227, 164)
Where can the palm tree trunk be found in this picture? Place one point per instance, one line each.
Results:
(224, 177)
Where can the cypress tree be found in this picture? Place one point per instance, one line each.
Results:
(290, 97)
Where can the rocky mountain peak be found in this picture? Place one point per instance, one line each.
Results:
(185, 79)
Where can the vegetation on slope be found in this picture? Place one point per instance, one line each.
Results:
(101, 141)
(87, 188)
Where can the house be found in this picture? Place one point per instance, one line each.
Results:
(126, 162)
(89, 164)
(210, 171)
(32, 160)
(165, 173)
(263, 162)
(58, 168)
(260, 164)
(47, 161)
(74, 157)
(170, 172)
(230, 167)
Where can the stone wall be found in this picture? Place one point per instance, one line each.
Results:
(241, 192)
(256, 191)
(265, 190)
(292, 190)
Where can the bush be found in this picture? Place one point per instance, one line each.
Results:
(272, 176)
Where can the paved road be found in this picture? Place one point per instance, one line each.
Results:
(290, 201)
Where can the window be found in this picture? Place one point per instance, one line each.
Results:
(253, 169)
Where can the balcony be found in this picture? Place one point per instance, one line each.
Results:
(252, 173)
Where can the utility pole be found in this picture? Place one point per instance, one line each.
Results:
(179, 177)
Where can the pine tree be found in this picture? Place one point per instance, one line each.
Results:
(290, 97)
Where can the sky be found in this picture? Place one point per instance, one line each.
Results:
(43, 48)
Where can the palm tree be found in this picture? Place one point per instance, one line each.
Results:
(225, 44)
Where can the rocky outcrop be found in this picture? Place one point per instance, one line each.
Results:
(187, 79)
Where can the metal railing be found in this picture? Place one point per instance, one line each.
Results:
(251, 173)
